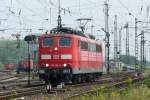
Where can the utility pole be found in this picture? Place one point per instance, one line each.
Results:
(17, 36)
(142, 52)
(107, 44)
(147, 15)
(50, 15)
(136, 47)
(59, 16)
(115, 40)
(18, 52)
(149, 50)
(92, 26)
(127, 41)
(119, 44)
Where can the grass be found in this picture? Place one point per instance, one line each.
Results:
(1, 66)
(132, 92)
(139, 91)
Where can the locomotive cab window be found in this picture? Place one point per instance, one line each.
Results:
(64, 41)
(47, 42)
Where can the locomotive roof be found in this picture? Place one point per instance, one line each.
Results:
(68, 30)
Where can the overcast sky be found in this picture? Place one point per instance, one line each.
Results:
(19, 16)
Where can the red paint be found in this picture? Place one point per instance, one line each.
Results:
(80, 59)
(9, 66)
(24, 63)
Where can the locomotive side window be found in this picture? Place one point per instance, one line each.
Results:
(63, 41)
(84, 45)
(46, 42)
(91, 47)
(98, 48)
(79, 43)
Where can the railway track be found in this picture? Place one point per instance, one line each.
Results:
(6, 75)
(18, 84)
(8, 79)
(119, 84)
(70, 90)
(113, 78)
(22, 92)
(16, 81)
(12, 77)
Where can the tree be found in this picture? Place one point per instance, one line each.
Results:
(131, 60)
(1, 66)
(9, 53)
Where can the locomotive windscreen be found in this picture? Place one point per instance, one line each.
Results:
(47, 41)
(63, 41)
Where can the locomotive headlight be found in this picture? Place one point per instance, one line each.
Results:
(47, 65)
(65, 65)
(55, 48)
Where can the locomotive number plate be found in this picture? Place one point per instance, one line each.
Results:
(55, 56)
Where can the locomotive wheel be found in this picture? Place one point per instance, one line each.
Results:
(94, 78)
(74, 79)
(89, 78)
(79, 79)
(83, 78)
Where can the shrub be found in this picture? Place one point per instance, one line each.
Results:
(147, 82)
(1, 66)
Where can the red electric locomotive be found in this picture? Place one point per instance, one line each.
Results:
(67, 55)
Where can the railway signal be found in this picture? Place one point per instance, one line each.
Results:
(28, 39)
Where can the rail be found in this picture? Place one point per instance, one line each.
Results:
(123, 83)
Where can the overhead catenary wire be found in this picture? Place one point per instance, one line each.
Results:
(27, 8)
(126, 8)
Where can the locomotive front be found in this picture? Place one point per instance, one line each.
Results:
(55, 58)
